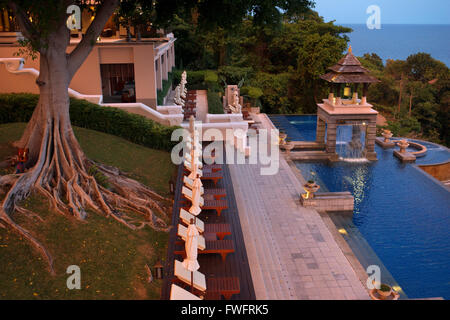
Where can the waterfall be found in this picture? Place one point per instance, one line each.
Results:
(350, 142)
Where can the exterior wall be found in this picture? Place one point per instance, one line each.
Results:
(87, 80)
(90, 70)
(440, 171)
(158, 74)
(16, 83)
(145, 77)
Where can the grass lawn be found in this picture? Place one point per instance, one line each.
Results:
(111, 257)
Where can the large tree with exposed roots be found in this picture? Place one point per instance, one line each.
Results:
(57, 167)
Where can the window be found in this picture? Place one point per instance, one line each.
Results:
(118, 82)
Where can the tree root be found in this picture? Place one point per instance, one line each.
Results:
(60, 175)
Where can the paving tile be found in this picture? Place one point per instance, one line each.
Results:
(296, 254)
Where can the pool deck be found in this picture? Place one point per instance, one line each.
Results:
(292, 254)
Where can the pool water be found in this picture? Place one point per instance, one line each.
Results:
(402, 213)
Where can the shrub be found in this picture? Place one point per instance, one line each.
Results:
(166, 85)
(233, 75)
(215, 105)
(211, 80)
(132, 127)
(195, 79)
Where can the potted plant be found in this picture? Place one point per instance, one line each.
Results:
(288, 146)
(310, 187)
(282, 137)
(384, 291)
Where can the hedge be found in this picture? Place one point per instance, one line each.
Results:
(166, 85)
(132, 127)
(215, 105)
(198, 80)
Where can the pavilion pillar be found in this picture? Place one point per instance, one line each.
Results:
(371, 133)
(320, 131)
(330, 146)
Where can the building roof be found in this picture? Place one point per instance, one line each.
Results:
(348, 70)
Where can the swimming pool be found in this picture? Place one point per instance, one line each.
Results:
(402, 214)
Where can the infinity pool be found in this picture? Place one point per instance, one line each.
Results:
(401, 213)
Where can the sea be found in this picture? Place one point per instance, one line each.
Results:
(398, 41)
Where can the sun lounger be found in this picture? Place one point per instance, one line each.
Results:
(222, 247)
(220, 230)
(187, 193)
(188, 165)
(216, 193)
(214, 176)
(226, 287)
(188, 171)
(217, 205)
(178, 293)
(213, 287)
(184, 275)
(182, 233)
(188, 182)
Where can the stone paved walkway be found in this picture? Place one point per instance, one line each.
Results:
(292, 254)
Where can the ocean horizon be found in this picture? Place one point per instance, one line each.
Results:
(398, 41)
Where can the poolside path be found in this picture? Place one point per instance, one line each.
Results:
(291, 252)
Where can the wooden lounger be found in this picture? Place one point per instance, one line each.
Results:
(187, 171)
(216, 193)
(217, 205)
(178, 293)
(222, 247)
(184, 275)
(188, 182)
(188, 165)
(187, 193)
(214, 176)
(206, 168)
(182, 233)
(219, 286)
(220, 230)
(222, 286)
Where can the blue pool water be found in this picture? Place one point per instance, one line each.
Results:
(402, 214)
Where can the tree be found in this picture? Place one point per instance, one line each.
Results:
(58, 168)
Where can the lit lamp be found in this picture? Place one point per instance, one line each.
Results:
(347, 92)
(158, 270)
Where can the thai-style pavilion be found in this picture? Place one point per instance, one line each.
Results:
(343, 107)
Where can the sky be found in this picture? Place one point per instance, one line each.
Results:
(392, 11)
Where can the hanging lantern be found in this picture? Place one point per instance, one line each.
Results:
(347, 91)
(158, 270)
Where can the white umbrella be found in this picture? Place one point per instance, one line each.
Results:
(196, 193)
(191, 263)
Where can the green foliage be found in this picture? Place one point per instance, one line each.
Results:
(166, 85)
(211, 80)
(233, 75)
(215, 105)
(423, 67)
(275, 87)
(195, 79)
(132, 127)
(251, 92)
(99, 176)
(408, 126)
(385, 288)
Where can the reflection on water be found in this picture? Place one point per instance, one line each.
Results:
(403, 215)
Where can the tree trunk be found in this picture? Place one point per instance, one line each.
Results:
(400, 95)
(58, 168)
(410, 103)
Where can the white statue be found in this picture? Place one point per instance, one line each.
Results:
(235, 107)
(177, 99)
(183, 83)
